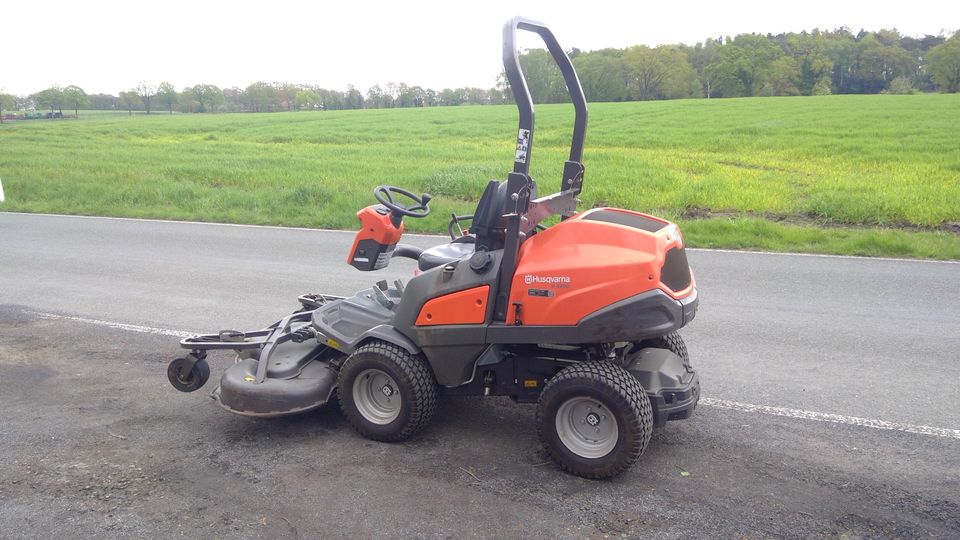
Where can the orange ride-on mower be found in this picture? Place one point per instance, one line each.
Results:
(580, 317)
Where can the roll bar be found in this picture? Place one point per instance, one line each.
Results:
(573, 168)
(522, 214)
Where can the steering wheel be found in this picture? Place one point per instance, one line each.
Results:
(384, 195)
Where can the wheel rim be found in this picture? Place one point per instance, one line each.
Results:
(185, 378)
(377, 396)
(587, 428)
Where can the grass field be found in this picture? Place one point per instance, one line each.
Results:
(867, 175)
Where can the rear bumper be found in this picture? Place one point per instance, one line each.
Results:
(676, 404)
(672, 386)
(688, 307)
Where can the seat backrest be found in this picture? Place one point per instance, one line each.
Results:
(486, 224)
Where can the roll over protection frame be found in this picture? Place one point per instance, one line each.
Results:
(522, 213)
(573, 168)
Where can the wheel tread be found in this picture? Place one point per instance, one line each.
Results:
(422, 383)
(673, 342)
(621, 387)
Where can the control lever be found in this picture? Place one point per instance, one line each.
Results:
(382, 298)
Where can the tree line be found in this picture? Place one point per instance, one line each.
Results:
(805, 63)
(257, 97)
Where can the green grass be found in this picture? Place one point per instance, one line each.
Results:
(868, 175)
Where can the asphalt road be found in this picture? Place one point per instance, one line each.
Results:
(95, 443)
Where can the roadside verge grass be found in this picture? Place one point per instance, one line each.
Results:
(863, 175)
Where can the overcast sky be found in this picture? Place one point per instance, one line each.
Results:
(109, 46)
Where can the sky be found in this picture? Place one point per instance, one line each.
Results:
(110, 46)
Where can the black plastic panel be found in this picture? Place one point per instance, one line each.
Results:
(645, 315)
(371, 255)
(675, 272)
(624, 218)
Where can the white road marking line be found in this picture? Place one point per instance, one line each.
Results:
(827, 417)
(820, 255)
(421, 235)
(118, 326)
(710, 402)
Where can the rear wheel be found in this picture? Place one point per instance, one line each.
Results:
(386, 393)
(594, 419)
(672, 342)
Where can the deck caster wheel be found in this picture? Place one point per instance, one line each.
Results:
(594, 419)
(187, 379)
(386, 393)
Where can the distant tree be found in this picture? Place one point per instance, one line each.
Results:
(75, 98)
(888, 38)
(450, 97)
(700, 56)
(330, 99)
(51, 98)
(502, 85)
(878, 64)
(167, 95)
(433, 97)
(809, 55)
(543, 77)
(308, 99)
(208, 97)
(376, 97)
(287, 94)
(353, 99)
(659, 73)
(130, 100)
(477, 96)
(408, 96)
(945, 64)
(6, 102)
(25, 103)
(743, 63)
(187, 101)
(260, 97)
(781, 78)
(918, 49)
(102, 102)
(900, 85)
(233, 99)
(147, 92)
(602, 75)
(822, 88)
(843, 52)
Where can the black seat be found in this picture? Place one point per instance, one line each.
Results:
(486, 225)
(446, 253)
(486, 230)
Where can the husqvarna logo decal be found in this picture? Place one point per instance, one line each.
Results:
(556, 281)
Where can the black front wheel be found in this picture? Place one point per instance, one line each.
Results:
(186, 380)
(594, 419)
